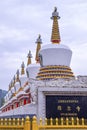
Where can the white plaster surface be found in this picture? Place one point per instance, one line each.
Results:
(39, 90)
(53, 54)
(27, 109)
(23, 79)
(33, 70)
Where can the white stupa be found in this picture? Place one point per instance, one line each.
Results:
(33, 69)
(55, 58)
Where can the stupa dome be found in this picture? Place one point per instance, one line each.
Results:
(32, 70)
(55, 54)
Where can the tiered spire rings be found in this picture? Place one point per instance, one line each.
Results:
(17, 78)
(39, 42)
(29, 58)
(22, 68)
(55, 37)
(14, 79)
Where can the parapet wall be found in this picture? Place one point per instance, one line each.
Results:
(22, 110)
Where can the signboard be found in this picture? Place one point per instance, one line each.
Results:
(66, 106)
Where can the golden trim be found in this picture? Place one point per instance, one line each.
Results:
(55, 37)
(54, 72)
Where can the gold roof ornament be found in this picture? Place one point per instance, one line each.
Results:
(14, 80)
(29, 58)
(12, 84)
(22, 68)
(39, 42)
(55, 37)
(17, 78)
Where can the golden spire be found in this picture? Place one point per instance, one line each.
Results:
(38, 41)
(12, 84)
(17, 78)
(29, 58)
(14, 80)
(55, 37)
(22, 68)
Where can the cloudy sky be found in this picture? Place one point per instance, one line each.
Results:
(22, 20)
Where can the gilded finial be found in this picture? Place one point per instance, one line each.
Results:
(39, 36)
(12, 83)
(17, 78)
(55, 9)
(55, 37)
(14, 80)
(55, 14)
(29, 57)
(39, 42)
(22, 68)
(9, 86)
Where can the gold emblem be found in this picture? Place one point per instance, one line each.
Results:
(78, 108)
(59, 108)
